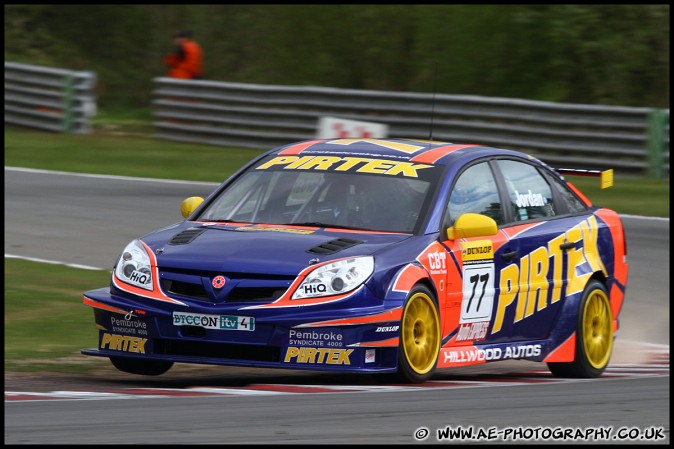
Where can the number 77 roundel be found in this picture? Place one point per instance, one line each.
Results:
(478, 289)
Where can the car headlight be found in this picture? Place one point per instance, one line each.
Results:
(133, 266)
(335, 278)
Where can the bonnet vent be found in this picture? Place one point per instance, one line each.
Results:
(186, 236)
(334, 246)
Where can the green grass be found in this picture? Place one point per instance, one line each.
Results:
(46, 324)
(120, 152)
(636, 196)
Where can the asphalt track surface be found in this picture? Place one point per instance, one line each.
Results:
(86, 220)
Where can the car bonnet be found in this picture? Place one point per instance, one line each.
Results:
(259, 249)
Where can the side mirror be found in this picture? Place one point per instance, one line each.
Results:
(472, 225)
(188, 205)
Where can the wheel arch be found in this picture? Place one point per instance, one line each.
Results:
(598, 276)
(561, 335)
(428, 283)
(408, 277)
(592, 339)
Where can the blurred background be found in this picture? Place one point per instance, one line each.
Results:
(590, 54)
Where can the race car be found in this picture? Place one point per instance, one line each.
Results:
(392, 256)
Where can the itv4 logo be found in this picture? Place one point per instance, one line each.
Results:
(228, 322)
(242, 323)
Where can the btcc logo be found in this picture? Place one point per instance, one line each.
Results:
(124, 343)
(318, 355)
(222, 322)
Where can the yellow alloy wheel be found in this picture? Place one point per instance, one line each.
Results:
(597, 329)
(594, 335)
(421, 333)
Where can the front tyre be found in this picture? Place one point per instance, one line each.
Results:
(419, 337)
(140, 366)
(594, 335)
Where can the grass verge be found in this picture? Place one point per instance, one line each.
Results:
(122, 153)
(636, 196)
(46, 324)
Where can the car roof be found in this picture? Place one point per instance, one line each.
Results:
(419, 151)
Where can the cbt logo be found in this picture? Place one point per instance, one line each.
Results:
(437, 260)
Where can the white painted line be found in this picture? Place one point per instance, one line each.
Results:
(113, 177)
(235, 391)
(52, 396)
(643, 343)
(644, 368)
(55, 262)
(640, 217)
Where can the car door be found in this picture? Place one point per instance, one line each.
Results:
(542, 233)
(471, 276)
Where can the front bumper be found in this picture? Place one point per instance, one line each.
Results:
(328, 337)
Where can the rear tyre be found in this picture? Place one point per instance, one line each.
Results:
(419, 337)
(594, 335)
(143, 367)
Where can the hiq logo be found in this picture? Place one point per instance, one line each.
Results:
(139, 277)
(310, 289)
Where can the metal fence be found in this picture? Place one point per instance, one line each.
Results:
(49, 98)
(630, 140)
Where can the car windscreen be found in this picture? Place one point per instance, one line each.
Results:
(342, 192)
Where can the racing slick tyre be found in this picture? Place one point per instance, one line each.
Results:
(594, 335)
(144, 367)
(419, 337)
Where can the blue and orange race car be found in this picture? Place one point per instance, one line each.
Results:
(373, 256)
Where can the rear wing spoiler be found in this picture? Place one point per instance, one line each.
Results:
(605, 176)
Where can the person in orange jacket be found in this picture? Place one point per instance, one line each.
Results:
(186, 61)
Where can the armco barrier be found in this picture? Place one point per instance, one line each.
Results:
(49, 98)
(628, 139)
